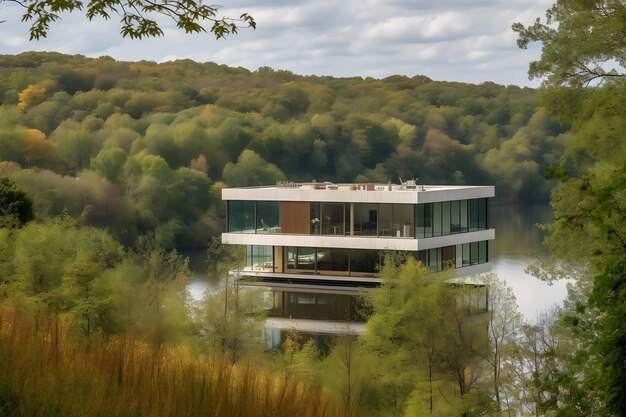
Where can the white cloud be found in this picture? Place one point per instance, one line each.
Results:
(457, 40)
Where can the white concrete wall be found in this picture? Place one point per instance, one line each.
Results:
(443, 193)
(354, 242)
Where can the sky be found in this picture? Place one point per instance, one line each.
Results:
(452, 40)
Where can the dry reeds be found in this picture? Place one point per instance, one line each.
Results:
(45, 372)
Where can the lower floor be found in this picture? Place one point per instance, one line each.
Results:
(355, 262)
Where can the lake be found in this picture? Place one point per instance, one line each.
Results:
(517, 236)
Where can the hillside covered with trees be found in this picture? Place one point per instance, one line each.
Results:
(140, 147)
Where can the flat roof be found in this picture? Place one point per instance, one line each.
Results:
(408, 192)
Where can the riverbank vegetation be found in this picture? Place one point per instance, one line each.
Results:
(47, 371)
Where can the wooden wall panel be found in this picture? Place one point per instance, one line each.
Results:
(278, 259)
(295, 217)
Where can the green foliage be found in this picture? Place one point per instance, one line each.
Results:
(251, 169)
(16, 206)
(131, 130)
(580, 39)
(583, 47)
(47, 370)
(425, 343)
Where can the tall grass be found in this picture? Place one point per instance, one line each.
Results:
(46, 372)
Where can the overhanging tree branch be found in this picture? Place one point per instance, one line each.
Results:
(137, 17)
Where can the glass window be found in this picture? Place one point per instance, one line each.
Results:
(403, 220)
(363, 260)
(301, 258)
(422, 256)
(428, 220)
(234, 216)
(483, 255)
(419, 220)
(247, 210)
(316, 219)
(474, 253)
(463, 216)
(466, 254)
(436, 219)
(482, 213)
(459, 256)
(473, 215)
(434, 261)
(241, 216)
(369, 219)
(455, 216)
(332, 259)
(332, 218)
(306, 259)
(267, 217)
(385, 222)
(445, 214)
(261, 258)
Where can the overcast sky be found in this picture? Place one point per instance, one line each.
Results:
(455, 40)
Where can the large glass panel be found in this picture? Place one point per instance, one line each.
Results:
(340, 260)
(346, 217)
(434, 260)
(332, 260)
(428, 219)
(369, 218)
(306, 259)
(267, 217)
(436, 219)
(234, 217)
(482, 213)
(316, 219)
(455, 216)
(482, 252)
(419, 220)
(301, 258)
(459, 256)
(247, 222)
(332, 218)
(403, 220)
(463, 216)
(474, 253)
(262, 258)
(422, 256)
(445, 211)
(249, 260)
(363, 260)
(466, 254)
(385, 222)
(473, 215)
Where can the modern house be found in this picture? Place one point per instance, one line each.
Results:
(315, 245)
(332, 235)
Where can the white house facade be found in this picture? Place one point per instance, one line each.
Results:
(331, 235)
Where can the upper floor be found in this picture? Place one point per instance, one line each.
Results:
(323, 216)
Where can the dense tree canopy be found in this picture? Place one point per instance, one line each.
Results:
(584, 48)
(140, 146)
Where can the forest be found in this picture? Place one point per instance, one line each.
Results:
(141, 147)
(108, 168)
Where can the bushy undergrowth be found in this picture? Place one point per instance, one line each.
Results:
(46, 372)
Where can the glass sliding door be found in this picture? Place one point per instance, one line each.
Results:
(403, 220)
(385, 222)
(267, 217)
(333, 218)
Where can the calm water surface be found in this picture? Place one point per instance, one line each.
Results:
(517, 236)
